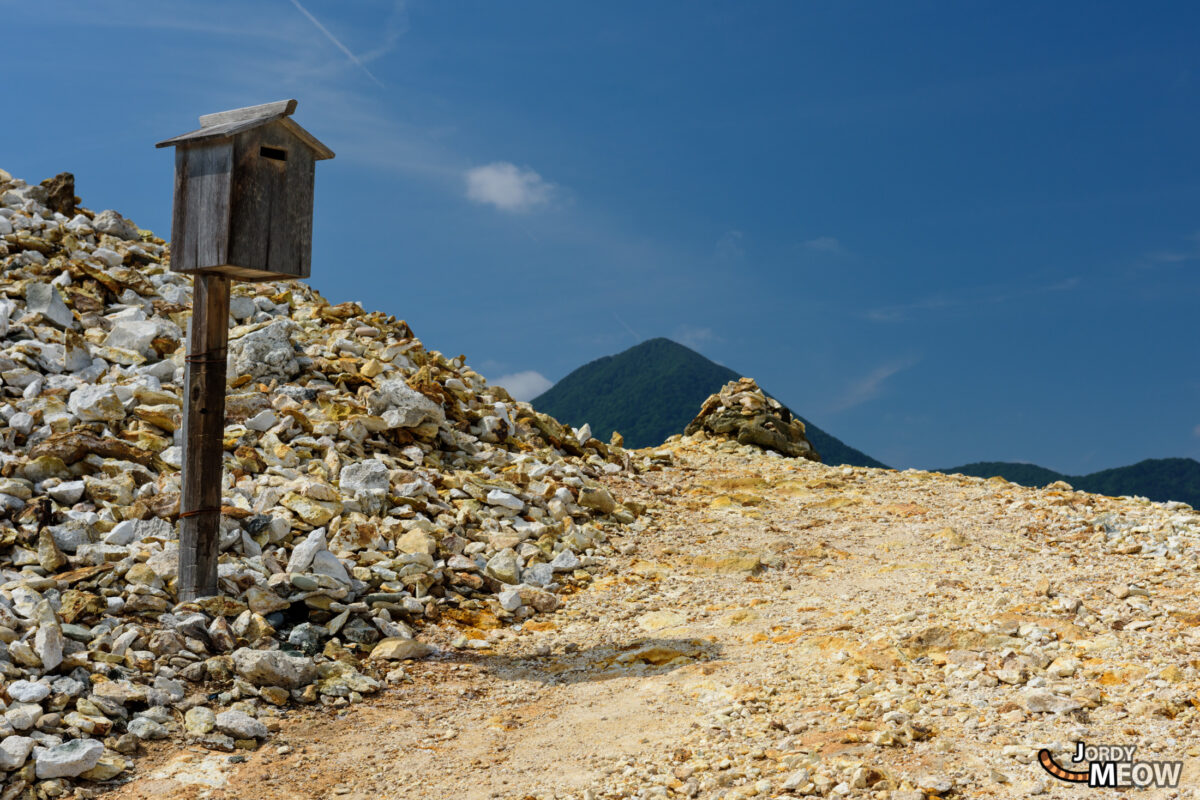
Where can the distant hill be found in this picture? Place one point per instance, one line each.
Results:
(652, 391)
(1155, 478)
(1024, 474)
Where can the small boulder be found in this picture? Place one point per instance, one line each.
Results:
(504, 566)
(273, 668)
(147, 729)
(44, 299)
(240, 725)
(401, 406)
(396, 649)
(597, 498)
(265, 353)
(114, 224)
(28, 691)
(96, 403)
(68, 759)
(417, 541)
(199, 721)
(14, 751)
(303, 553)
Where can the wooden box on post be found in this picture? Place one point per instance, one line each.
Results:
(243, 211)
(244, 195)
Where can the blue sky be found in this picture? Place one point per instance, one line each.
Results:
(945, 232)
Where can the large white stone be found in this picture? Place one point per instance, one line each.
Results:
(22, 716)
(367, 482)
(565, 561)
(364, 476)
(21, 422)
(111, 258)
(240, 725)
(15, 750)
(174, 293)
(401, 406)
(69, 759)
(48, 641)
(265, 353)
(326, 563)
(96, 403)
(263, 420)
(121, 534)
(44, 299)
(303, 553)
(114, 224)
(145, 728)
(273, 668)
(28, 691)
(72, 534)
(242, 307)
(79, 224)
(496, 497)
(133, 335)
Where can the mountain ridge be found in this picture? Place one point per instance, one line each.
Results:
(1161, 479)
(610, 393)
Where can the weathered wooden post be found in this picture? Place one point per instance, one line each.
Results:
(243, 211)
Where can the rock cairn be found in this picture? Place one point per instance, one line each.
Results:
(370, 485)
(741, 412)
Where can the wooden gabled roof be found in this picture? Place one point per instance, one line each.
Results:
(224, 124)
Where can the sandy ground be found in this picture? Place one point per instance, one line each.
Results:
(782, 628)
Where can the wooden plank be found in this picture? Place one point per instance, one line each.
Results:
(289, 231)
(200, 225)
(183, 257)
(250, 202)
(203, 426)
(280, 108)
(209, 176)
(298, 215)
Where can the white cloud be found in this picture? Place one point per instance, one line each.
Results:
(983, 295)
(694, 337)
(729, 247)
(507, 186)
(826, 244)
(524, 385)
(870, 385)
(1196, 430)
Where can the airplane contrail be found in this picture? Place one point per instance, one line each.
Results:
(632, 332)
(340, 46)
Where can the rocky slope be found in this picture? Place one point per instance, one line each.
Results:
(705, 620)
(371, 486)
(786, 629)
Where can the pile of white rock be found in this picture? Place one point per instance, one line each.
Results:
(371, 486)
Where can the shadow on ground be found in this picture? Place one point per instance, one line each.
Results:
(640, 657)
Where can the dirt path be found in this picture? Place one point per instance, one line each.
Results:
(782, 628)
